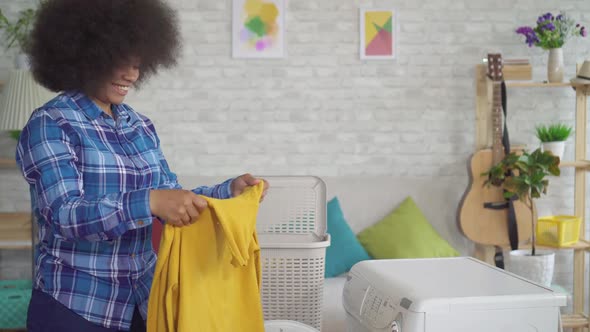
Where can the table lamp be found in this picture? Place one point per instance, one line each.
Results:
(21, 95)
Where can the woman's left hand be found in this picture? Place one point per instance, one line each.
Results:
(246, 180)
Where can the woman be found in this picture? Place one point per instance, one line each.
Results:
(96, 172)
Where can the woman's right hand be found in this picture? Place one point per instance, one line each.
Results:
(177, 207)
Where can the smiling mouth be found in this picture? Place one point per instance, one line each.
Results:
(122, 89)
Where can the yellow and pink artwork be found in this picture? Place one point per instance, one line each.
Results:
(377, 34)
(258, 28)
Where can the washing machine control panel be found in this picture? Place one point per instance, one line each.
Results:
(377, 310)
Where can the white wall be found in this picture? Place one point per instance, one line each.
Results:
(323, 111)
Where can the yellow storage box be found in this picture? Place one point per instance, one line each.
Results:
(558, 231)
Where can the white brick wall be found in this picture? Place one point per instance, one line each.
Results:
(323, 111)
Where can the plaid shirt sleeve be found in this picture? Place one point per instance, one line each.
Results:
(48, 161)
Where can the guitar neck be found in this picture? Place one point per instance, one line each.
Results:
(497, 147)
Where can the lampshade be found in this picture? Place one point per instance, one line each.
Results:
(21, 95)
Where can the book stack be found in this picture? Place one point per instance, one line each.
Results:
(518, 69)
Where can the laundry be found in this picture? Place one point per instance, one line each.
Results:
(207, 277)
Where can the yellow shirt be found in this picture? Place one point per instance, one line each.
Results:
(215, 286)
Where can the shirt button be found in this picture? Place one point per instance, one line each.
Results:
(140, 223)
(132, 255)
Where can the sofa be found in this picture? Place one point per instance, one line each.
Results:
(364, 201)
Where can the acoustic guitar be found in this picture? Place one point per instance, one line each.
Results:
(478, 219)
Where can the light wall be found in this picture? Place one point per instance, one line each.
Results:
(323, 111)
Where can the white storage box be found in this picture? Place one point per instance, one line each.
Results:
(446, 295)
(291, 229)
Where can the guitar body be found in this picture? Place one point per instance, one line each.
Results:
(483, 225)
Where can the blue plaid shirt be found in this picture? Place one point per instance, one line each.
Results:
(90, 176)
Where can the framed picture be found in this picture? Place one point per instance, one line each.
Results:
(378, 34)
(258, 29)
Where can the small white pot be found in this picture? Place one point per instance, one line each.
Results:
(538, 268)
(556, 148)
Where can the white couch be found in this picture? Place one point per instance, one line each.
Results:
(364, 201)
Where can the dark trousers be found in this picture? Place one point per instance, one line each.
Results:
(46, 314)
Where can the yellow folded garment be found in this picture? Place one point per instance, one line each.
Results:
(207, 277)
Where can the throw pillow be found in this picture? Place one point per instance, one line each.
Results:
(344, 250)
(405, 233)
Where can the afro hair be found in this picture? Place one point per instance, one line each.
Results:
(76, 44)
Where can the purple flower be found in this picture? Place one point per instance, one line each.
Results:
(548, 26)
(551, 32)
(546, 17)
(524, 30)
(529, 33)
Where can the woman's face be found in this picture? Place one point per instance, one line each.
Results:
(114, 90)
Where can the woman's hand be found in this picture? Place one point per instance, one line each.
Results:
(177, 207)
(246, 180)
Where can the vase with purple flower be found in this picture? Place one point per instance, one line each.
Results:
(550, 34)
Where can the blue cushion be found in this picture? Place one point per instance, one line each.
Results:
(344, 250)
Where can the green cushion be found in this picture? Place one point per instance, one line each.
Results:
(405, 233)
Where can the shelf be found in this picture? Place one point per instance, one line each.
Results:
(576, 164)
(21, 218)
(574, 321)
(515, 84)
(583, 85)
(17, 244)
(6, 163)
(580, 245)
(15, 230)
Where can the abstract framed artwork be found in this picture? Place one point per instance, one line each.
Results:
(378, 34)
(258, 29)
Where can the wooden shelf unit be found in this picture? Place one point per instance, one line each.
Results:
(585, 164)
(15, 230)
(583, 245)
(15, 227)
(577, 321)
(7, 163)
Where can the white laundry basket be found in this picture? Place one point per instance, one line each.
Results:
(287, 326)
(291, 229)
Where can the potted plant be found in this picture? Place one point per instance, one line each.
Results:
(553, 137)
(16, 34)
(524, 176)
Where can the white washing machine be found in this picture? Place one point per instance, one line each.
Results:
(446, 295)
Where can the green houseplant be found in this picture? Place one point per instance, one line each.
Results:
(553, 137)
(17, 33)
(525, 176)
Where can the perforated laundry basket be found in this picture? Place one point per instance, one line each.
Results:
(291, 229)
(286, 326)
